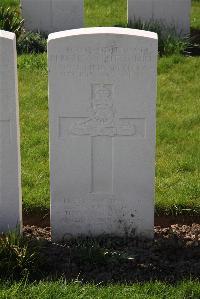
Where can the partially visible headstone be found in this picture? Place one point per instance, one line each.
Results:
(102, 91)
(171, 13)
(10, 180)
(46, 16)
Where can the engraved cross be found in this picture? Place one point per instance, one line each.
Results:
(103, 126)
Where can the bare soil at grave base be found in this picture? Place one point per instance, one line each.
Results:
(173, 255)
(162, 220)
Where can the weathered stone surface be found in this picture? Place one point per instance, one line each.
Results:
(171, 13)
(10, 181)
(102, 90)
(48, 16)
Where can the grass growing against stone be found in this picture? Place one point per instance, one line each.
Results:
(105, 262)
(34, 131)
(178, 120)
(178, 154)
(177, 166)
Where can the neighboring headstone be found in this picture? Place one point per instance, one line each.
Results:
(102, 91)
(171, 13)
(10, 180)
(48, 16)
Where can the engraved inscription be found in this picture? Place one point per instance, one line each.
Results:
(84, 62)
(74, 214)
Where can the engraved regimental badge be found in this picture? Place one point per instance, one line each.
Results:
(103, 120)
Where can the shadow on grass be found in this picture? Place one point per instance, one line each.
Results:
(172, 256)
(194, 48)
(170, 44)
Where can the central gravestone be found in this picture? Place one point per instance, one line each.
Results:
(102, 90)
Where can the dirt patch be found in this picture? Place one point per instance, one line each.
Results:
(163, 221)
(36, 220)
(36, 232)
(173, 255)
(194, 48)
(166, 221)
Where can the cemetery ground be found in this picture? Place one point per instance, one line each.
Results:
(173, 257)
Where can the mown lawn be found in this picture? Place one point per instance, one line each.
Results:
(178, 154)
(177, 161)
(55, 290)
(10, 3)
(178, 121)
(105, 13)
(195, 17)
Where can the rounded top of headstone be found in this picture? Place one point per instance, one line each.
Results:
(7, 34)
(103, 30)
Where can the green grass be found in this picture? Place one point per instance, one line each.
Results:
(55, 290)
(34, 131)
(100, 13)
(178, 121)
(178, 154)
(10, 3)
(195, 15)
(105, 13)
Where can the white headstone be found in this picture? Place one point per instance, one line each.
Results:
(10, 181)
(172, 13)
(102, 91)
(48, 16)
